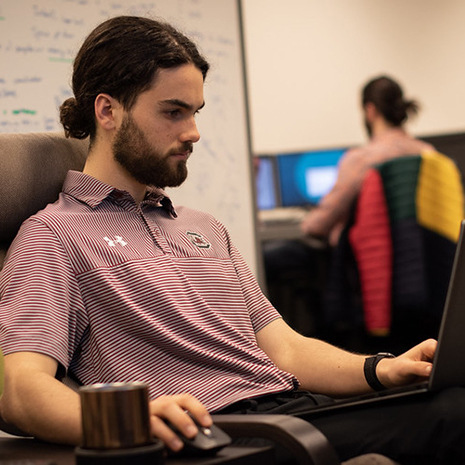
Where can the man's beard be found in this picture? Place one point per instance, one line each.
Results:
(144, 163)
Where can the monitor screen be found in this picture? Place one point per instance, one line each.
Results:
(305, 177)
(267, 197)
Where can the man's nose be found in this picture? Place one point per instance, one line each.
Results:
(191, 133)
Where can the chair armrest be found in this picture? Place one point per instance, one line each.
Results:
(306, 443)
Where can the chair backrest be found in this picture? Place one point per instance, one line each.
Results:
(33, 167)
(390, 271)
(406, 225)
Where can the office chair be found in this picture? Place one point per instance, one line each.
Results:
(33, 168)
(401, 243)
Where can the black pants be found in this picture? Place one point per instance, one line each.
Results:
(419, 430)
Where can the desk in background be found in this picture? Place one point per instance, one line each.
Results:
(284, 224)
(280, 223)
(294, 285)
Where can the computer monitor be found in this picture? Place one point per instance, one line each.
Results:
(266, 183)
(305, 177)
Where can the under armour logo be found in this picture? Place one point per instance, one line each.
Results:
(117, 240)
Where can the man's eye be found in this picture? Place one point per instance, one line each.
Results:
(174, 113)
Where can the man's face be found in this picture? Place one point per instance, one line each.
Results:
(156, 136)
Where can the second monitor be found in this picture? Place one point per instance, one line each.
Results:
(305, 177)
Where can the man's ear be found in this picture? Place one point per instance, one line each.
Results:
(370, 111)
(106, 111)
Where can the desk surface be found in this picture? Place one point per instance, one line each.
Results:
(14, 450)
(284, 224)
(279, 231)
(283, 231)
(280, 223)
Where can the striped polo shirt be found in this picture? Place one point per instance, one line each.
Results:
(120, 292)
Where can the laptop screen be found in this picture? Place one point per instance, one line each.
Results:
(305, 177)
(267, 194)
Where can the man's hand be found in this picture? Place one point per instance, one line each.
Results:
(174, 409)
(414, 365)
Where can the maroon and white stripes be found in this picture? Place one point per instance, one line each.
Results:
(120, 292)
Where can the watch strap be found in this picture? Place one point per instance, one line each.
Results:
(369, 369)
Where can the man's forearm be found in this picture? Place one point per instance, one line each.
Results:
(332, 371)
(319, 366)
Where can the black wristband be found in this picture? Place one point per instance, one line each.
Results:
(369, 369)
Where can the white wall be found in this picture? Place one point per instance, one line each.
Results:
(308, 59)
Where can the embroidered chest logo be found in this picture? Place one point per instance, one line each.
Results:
(117, 240)
(198, 240)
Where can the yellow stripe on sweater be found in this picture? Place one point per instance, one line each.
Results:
(439, 195)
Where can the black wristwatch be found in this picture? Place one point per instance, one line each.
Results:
(369, 368)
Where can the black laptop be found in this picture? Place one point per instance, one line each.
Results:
(449, 359)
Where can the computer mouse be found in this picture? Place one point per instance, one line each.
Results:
(208, 441)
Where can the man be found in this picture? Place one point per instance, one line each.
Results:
(111, 283)
(385, 111)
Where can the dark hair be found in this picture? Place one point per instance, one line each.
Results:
(121, 57)
(388, 98)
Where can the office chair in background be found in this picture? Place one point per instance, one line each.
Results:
(33, 168)
(392, 266)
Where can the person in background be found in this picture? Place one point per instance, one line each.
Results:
(385, 112)
(112, 283)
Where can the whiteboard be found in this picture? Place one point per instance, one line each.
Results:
(38, 41)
